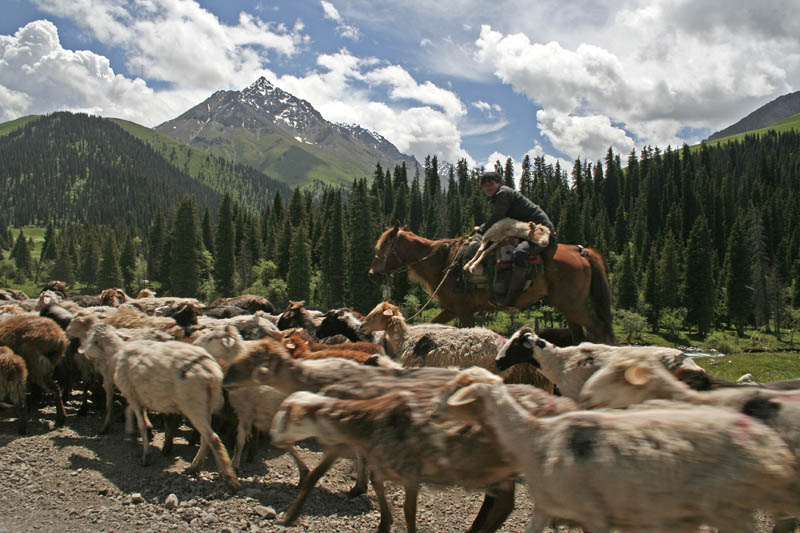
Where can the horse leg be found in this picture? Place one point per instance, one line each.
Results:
(445, 315)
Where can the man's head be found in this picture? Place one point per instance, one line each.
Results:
(490, 182)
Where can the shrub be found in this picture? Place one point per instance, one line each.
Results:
(672, 319)
(721, 342)
(632, 324)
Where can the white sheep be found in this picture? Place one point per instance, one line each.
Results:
(504, 228)
(174, 377)
(569, 367)
(658, 470)
(443, 346)
(401, 444)
(254, 406)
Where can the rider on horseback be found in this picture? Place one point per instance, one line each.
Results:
(507, 202)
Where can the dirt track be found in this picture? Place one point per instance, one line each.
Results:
(70, 480)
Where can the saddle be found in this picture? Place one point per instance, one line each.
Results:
(484, 274)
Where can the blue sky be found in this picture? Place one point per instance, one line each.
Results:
(457, 79)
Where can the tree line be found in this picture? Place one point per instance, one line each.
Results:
(706, 237)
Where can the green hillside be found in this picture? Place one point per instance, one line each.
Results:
(8, 127)
(246, 185)
(791, 123)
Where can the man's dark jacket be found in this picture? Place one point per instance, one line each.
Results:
(508, 202)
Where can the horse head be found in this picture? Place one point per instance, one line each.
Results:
(386, 260)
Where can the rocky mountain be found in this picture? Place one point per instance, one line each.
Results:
(282, 136)
(781, 108)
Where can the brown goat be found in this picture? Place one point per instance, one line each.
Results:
(360, 346)
(41, 343)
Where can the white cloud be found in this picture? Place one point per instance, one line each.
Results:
(345, 30)
(179, 42)
(39, 76)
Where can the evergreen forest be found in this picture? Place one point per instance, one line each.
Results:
(698, 237)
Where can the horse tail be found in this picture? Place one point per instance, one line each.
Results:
(600, 294)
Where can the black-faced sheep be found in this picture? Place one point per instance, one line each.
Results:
(570, 367)
(443, 346)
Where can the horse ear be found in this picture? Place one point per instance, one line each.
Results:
(397, 224)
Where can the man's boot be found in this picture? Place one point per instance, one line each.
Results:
(518, 276)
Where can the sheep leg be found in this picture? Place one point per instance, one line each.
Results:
(128, 422)
(360, 486)
(242, 430)
(301, 466)
(22, 415)
(171, 424)
(108, 387)
(486, 506)
(501, 505)
(785, 525)
(138, 411)
(385, 524)
(61, 412)
(209, 439)
(308, 483)
(252, 445)
(410, 508)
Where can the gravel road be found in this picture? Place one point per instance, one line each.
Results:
(71, 480)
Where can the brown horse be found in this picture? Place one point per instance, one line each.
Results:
(569, 279)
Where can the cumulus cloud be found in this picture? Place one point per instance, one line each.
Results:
(179, 42)
(349, 89)
(345, 30)
(38, 76)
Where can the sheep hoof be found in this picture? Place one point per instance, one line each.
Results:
(166, 449)
(191, 470)
(60, 422)
(357, 490)
(104, 430)
(233, 484)
(147, 459)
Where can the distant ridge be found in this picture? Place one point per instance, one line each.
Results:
(283, 136)
(775, 111)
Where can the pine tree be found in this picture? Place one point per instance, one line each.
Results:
(760, 262)
(508, 173)
(627, 291)
(109, 274)
(363, 294)
(89, 262)
(298, 279)
(127, 263)
(208, 232)
(185, 250)
(668, 271)
(49, 248)
(525, 181)
(22, 256)
(795, 297)
(651, 295)
(415, 207)
(737, 279)
(63, 269)
(155, 248)
(698, 286)
(224, 263)
(333, 256)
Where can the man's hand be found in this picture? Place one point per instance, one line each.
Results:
(475, 229)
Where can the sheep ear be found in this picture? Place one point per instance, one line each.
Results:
(231, 330)
(461, 397)
(124, 336)
(228, 342)
(388, 312)
(291, 345)
(262, 371)
(527, 341)
(637, 375)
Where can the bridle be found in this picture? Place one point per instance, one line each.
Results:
(392, 251)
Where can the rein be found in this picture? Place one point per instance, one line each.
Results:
(408, 266)
(393, 251)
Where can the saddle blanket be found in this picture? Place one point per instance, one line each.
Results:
(505, 250)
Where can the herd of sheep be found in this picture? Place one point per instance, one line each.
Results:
(607, 438)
